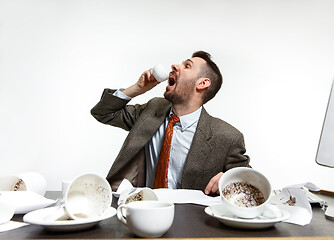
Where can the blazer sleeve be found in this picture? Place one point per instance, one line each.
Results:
(114, 111)
(236, 156)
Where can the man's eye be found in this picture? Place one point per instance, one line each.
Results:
(187, 65)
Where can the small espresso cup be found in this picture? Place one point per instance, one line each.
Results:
(245, 192)
(88, 196)
(148, 219)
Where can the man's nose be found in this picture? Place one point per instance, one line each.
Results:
(175, 67)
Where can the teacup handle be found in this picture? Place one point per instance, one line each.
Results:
(120, 214)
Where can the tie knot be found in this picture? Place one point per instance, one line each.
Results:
(174, 119)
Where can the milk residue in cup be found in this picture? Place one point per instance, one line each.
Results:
(243, 194)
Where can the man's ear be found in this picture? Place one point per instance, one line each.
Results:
(203, 83)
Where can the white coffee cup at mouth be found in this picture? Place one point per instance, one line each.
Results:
(160, 73)
(149, 219)
(242, 186)
(88, 196)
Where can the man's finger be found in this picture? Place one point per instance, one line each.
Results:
(212, 186)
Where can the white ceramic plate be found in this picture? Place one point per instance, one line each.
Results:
(222, 214)
(38, 218)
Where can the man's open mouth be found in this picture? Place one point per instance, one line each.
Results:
(171, 79)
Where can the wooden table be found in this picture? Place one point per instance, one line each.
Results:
(190, 222)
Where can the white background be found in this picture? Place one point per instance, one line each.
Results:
(56, 57)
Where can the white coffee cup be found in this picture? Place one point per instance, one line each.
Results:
(148, 219)
(137, 194)
(160, 73)
(246, 176)
(6, 211)
(28, 181)
(88, 196)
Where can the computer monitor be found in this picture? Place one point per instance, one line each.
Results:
(325, 153)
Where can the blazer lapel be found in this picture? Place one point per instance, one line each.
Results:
(141, 133)
(144, 131)
(200, 148)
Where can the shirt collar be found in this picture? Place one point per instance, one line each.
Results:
(187, 120)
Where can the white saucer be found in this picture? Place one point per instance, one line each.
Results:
(38, 218)
(222, 214)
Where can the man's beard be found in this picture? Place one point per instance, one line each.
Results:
(174, 98)
(179, 97)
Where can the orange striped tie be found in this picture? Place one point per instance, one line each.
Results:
(161, 178)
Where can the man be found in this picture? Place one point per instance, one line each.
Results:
(200, 147)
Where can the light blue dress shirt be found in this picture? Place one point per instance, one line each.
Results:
(183, 134)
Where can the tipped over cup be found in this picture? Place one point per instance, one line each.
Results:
(27, 181)
(137, 194)
(245, 192)
(88, 196)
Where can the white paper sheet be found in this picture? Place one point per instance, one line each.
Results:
(294, 200)
(124, 186)
(25, 201)
(186, 196)
(11, 225)
(179, 196)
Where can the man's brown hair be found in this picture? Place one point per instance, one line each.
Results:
(212, 72)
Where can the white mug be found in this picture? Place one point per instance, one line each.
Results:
(87, 196)
(246, 178)
(148, 219)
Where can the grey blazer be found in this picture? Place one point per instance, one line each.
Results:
(216, 147)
